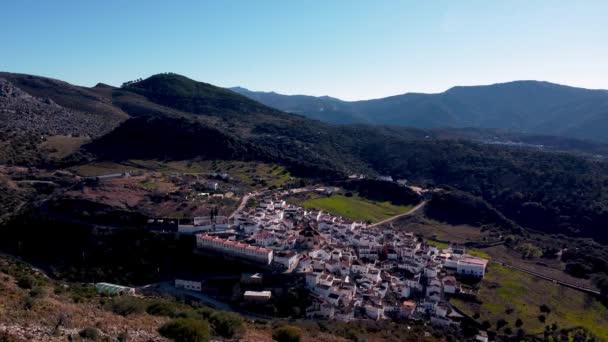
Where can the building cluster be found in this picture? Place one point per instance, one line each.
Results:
(352, 270)
(378, 274)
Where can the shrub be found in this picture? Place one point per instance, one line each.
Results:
(226, 324)
(486, 325)
(26, 282)
(89, 333)
(58, 290)
(5, 338)
(205, 312)
(123, 336)
(126, 306)
(287, 333)
(81, 292)
(28, 303)
(186, 330)
(162, 309)
(37, 292)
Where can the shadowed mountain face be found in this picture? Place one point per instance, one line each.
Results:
(521, 106)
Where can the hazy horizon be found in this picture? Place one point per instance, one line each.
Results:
(352, 50)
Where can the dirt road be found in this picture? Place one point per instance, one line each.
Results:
(413, 210)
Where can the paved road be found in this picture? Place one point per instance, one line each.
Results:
(413, 210)
(167, 287)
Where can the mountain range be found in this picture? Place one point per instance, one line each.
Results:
(171, 117)
(521, 106)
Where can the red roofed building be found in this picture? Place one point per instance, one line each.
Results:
(234, 248)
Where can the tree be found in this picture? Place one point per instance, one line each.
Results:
(486, 325)
(519, 323)
(287, 333)
(545, 309)
(528, 250)
(602, 283)
(186, 330)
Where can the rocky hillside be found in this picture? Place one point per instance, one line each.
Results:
(24, 113)
(47, 109)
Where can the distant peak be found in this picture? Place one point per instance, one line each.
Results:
(168, 75)
(511, 84)
(239, 89)
(103, 85)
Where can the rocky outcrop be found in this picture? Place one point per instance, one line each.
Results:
(21, 112)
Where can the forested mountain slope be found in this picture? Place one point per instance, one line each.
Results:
(521, 106)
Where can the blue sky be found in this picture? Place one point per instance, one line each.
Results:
(348, 49)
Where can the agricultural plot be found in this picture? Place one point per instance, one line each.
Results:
(355, 207)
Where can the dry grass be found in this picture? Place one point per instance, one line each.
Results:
(62, 146)
(431, 229)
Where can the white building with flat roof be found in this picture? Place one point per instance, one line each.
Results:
(189, 285)
(257, 296)
(470, 266)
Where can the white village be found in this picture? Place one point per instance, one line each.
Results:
(353, 270)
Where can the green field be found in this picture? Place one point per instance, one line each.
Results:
(504, 289)
(440, 245)
(355, 207)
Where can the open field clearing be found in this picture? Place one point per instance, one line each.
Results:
(355, 207)
(510, 295)
(62, 146)
(431, 229)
